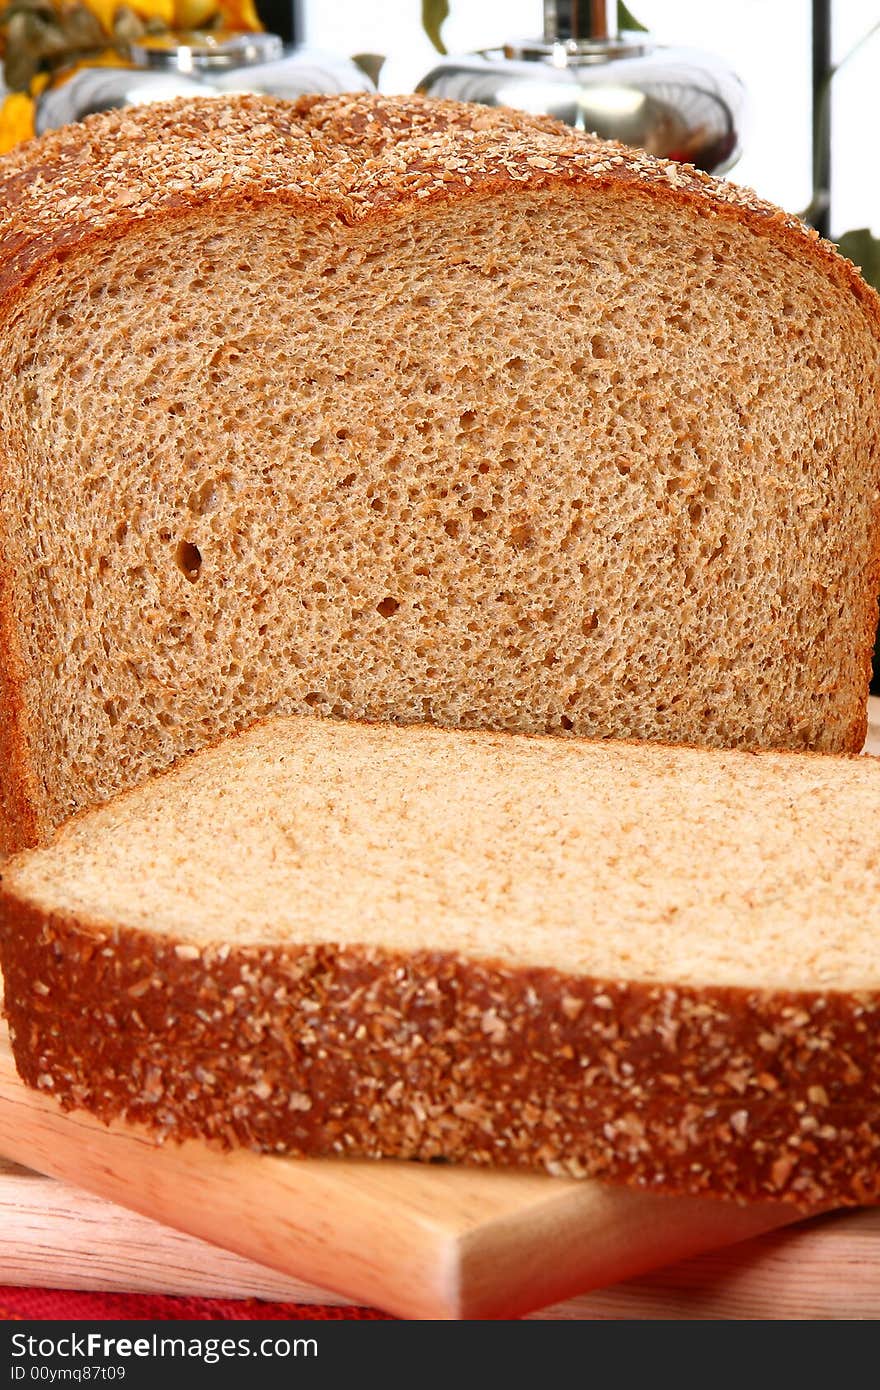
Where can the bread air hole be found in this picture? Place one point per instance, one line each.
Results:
(189, 560)
(388, 607)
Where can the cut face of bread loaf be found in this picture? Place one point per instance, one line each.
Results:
(420, 412)
(658, 965)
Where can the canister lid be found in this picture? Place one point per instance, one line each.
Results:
(205, 51)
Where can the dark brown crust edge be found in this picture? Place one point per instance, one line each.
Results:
(328, 1050)
(21, 824)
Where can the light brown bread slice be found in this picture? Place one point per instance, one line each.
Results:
(416, 411)
(653, 964)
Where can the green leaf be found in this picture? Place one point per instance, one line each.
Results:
(371, 64)
(863, 249)
(434, 15)
(625, 20)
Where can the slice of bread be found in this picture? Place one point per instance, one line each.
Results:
(423, 412)
(658, 965)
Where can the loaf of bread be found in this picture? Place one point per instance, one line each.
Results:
(421, 412)
(658, 965)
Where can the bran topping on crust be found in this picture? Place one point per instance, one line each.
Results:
(350, 156)
(732, 1093)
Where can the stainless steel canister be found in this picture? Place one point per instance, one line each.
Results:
(676, 102)
(198, 64)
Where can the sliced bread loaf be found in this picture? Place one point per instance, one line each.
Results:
(656, 965)
(423, 412)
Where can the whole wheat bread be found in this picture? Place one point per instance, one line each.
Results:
(423, 412)
(658, 965)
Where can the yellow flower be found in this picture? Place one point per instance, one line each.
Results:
(182, 14)
(240, 14)
(193, 14)
(150, 9)
(103, 10)
(16, 120)
(17, 110)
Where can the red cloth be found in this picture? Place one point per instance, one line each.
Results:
(71, 1305)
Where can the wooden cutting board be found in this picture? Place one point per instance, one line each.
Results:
(58, 1236)
(419, 1241)
(414, 1239)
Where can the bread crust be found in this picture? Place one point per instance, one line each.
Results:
(352, 159)
(357, 158)
(20, 821)
(328, 1050)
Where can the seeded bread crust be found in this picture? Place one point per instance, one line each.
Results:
(353, 159)
(357, 155)
(340, 1048)
(20, 820)
(739, 1094)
